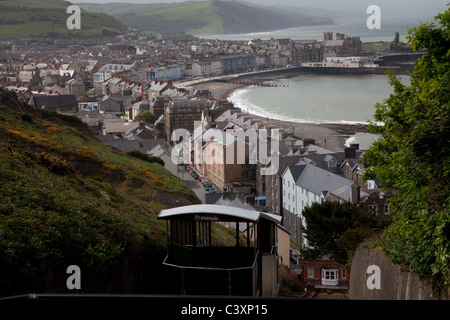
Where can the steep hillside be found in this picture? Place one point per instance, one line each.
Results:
(49, 18)
(68, 199)
(204, 17)
(241, 17)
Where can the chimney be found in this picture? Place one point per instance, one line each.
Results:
(354, 145)
(350, 153)
(356, 194)
(141, 125)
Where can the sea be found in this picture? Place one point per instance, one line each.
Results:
(313, 98)
(349, 27)
(316, 98)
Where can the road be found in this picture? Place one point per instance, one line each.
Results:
(184, 84)
(181, 173)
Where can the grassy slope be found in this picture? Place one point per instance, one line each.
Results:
(44, 18)
(67, 198)
(198, 17)
(205, 17)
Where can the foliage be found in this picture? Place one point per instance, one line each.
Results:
(66, 198)
(412, 157)
(290, 284)
(48, 18)
(142, 156)
(336, 228)
(147, 116)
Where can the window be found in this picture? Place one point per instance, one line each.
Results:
(329, 274)
(344, 274)
(373, 209)
(289, 196)
(386, 209)
(310, 272)
(289, 183)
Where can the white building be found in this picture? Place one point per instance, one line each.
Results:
(303, 185)
(164, 73)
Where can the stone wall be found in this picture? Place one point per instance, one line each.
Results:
(373, 276)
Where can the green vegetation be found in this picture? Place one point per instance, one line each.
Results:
(412, 158)
(205, 17)
(146, 116)
(48, 19)
(337, 229)
(142, 156)
(290, 285)
(66, 198)
(191, 17)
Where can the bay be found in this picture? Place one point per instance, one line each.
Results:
(317, 98)
(351, 28)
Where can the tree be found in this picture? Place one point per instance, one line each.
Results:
(328, 226)
(412, 158)
(147, 116)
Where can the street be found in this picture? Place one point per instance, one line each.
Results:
(181, 173)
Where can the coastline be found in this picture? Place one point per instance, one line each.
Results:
(335, 134)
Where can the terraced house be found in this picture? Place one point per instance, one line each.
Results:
(302, 185)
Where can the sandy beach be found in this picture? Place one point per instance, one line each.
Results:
(335, 134)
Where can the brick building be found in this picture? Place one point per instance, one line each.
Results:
(324, 275)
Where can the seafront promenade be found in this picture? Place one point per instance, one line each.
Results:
(252, 78)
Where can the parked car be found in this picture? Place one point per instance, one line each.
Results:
(293, 256)
(208, 186)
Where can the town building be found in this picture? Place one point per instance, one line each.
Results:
(302, 185)
(58, 103)
(341, 47)
(324, 275)
(181, 114)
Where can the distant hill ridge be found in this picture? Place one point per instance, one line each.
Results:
(205, 17)
(23, 18)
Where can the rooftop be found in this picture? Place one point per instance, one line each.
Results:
(211, 212)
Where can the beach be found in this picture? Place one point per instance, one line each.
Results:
(331, 135)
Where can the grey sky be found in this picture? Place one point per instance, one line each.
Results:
(412, 8)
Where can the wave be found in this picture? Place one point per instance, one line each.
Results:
(240, 99)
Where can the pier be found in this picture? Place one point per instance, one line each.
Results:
(252, 83)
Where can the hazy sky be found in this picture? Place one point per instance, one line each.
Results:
(416, 8)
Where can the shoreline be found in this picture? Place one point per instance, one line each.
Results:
(335, 134)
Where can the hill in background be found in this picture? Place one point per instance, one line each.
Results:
(205, 17)
(22, 18)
